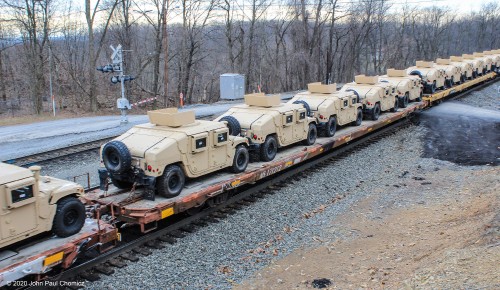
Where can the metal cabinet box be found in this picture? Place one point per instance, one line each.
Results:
(232, 86)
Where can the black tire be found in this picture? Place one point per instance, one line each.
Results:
(396, 105)
(121, 184)
(359, 118)
(69, 217)
(241, 159)
(475, 73)
(330, 127)
(419, 99)
(306, 106)
(433, 87)
(375, 112)
(171, 182)
(452, 81)
(233, 125)
(417, 73)
(116, 157)
(356, 93)
(312, 134)
(406, 100)
(269, 148)
(463, 78)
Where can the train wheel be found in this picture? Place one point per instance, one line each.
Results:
(269, 148)
(171, 182)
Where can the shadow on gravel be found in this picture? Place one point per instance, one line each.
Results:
(462, 134)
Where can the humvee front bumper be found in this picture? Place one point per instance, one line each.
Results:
(138, 177)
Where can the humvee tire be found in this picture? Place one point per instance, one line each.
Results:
(396, 105)
(116, 157)
(233, 125)
(312, 134)
(359, 118)
(375, 112)
(171, 182)
(306, 106)
(69, 217)
(330, 127)
(269, 148)
(241, 159)
(121, 184)
(406, 100)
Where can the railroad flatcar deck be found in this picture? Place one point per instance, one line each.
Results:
(458, 88)
(130, 207)
(45, 255)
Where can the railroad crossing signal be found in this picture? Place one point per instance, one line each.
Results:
(117, 67)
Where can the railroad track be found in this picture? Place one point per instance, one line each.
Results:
(183, 224)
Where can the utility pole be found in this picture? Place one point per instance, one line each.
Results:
(165, 47)
(117, 66)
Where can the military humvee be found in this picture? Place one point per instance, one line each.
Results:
(173, 146)
(495, 57)
(32, 204)
(269, 124)
(453, 73)
(408, 87)
(465, 67)
(477, 64)
(431, 76)
(375, 96)
(487, 60)
(330, 107)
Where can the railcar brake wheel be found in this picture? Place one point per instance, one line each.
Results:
(116, 157)
(171, 182)
(69, 217)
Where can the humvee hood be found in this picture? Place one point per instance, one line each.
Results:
(138, 143)
(313, 101)
(246, 119)
(51, 185)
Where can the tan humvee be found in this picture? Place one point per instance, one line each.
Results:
(173, 146)
(408, 87)
(375, 96)
(432, 77)
(453, 73)
(487, 60)
(330, 107)
(495, 57)
(269, 124)
(477, 64)
(465, 67)
(32, 204)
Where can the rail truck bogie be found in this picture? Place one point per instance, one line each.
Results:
(269, 124)
(33, 204)
(330, 107)
(433, 78)
(375, 96)
(174, 146)
(408, 87)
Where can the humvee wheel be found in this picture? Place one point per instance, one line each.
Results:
(69, 217)
(406, 100)
(433, 88)
(171, 182)
(375, 112)
(359, 118)
(233, 125)
(306, 106)
(331, 127)
(116, 157)
(462, 78)
(269, 148)
(240, 160)
(121, 184)
(312, 134)
(396, 105)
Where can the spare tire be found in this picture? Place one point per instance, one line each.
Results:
(306, 106)
(116, 157)
(233, 125)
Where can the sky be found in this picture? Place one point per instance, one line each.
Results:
(462, 6)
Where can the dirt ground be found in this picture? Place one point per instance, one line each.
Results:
(451, 241)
